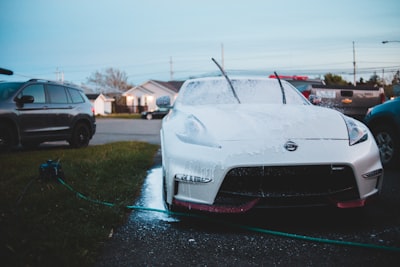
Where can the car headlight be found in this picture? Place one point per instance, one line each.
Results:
(194, 132)
(357, 131)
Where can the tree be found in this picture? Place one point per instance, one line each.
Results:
(396, 78)
(374, 79)
(333, 79)
(110, 80)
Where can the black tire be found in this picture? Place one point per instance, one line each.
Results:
(80, 136)
(388, 143)
(168, 207)
(164, 189)
(6, 138)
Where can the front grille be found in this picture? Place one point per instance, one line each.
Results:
(290, 183)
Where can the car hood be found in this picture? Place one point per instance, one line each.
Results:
(260, 122)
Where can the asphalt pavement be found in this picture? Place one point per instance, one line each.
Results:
(113, 130)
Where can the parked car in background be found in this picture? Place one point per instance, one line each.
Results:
(259, 144)
(301, 82)
(156, 114)
(37, 111)
(353, 101)
(384, 122)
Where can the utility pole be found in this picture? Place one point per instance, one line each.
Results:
(57, 74)
(354, 65)
(171, 71)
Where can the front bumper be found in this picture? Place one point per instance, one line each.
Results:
(206, 171)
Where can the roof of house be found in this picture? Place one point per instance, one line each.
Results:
(92, 96)
(172, 85)
(95, 96)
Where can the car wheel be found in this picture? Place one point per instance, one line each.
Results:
(6, 138)
(149, 116)
(388, 144)
(80, 136)
(167, 206)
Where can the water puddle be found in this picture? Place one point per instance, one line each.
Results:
(151, 197)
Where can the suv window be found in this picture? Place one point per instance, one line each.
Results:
(8, 89)
(35, 90)
(57, 94)
(76, 96)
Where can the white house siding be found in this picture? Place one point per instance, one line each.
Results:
(103, 105)
(147, 93)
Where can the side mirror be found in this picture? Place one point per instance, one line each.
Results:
(163, 102)
(315, 100)
(25, 99)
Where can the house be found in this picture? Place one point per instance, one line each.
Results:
(143, 97)
(102, 104)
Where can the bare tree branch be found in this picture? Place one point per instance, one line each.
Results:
(109, 80)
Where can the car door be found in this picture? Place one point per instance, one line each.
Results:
(33, 117)
(59, 109)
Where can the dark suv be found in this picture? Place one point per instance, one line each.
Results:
(38, 111)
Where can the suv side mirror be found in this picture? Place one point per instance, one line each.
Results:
(163, 102)
(25, 99)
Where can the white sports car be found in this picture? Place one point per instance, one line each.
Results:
(258, 144)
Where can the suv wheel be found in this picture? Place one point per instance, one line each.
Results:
(80, 136)
(388, 144)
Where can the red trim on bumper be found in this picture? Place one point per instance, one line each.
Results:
(357, 203)
(217, 209)
(351, 204)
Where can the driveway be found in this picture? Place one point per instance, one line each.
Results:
(113, 130)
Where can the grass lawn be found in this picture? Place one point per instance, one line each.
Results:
(45, 224)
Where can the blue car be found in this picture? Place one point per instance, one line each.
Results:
(384, 122)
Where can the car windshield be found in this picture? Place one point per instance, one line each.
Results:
(249, 91)
(7, 90)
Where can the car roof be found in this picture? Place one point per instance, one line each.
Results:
(235, 77)
(70, 85)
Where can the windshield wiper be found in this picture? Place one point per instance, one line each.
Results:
(227, 78)
(282, 89)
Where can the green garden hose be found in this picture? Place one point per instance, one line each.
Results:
(249, 228)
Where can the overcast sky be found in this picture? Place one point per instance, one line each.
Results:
(142, 37)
